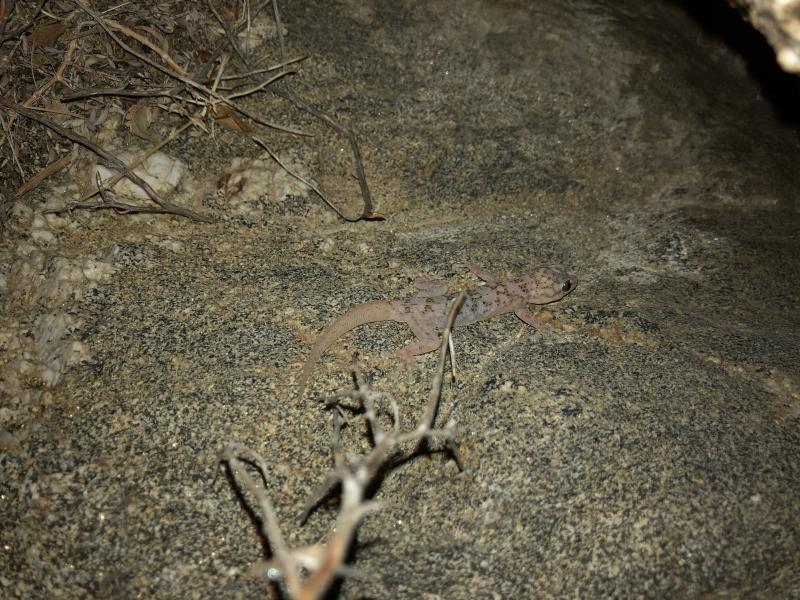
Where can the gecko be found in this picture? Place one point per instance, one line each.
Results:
(425, 313)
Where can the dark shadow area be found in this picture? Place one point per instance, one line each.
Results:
(255, 519)
(721, 21)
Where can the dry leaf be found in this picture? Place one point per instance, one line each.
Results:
(139, 118)
(227, 118)
(57, 109)
(163, 42)
(46, 35)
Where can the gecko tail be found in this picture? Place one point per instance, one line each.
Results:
(370, 312)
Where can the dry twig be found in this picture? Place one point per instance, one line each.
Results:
(355, 475)
(41, 90)
(6, 8)
(387, 444)
(185, 79)
(368, 211)
(194, 119)
(113, 161)
(310, 184)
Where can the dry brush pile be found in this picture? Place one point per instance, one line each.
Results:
(69, 69)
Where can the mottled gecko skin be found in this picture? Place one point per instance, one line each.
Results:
(426, 315)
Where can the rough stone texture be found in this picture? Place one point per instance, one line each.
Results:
(779, 21)
(649, 448)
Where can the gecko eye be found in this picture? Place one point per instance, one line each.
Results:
(567, 286)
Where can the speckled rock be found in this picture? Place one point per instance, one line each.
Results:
(648, 448)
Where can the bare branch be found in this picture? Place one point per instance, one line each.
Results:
(113, 161)
(232, 454)
(188, 81)
(40, 91)
(355, 475)
(305, 181)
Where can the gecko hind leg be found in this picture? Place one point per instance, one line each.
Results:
(429, 287)
(534, 320)
(478, 271)
(426, 340)
(419, 346)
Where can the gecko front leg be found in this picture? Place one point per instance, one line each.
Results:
(534, 320)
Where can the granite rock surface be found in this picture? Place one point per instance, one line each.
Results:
(650, 447)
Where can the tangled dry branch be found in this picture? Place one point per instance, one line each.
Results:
(308, 572)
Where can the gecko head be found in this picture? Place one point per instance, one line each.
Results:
(549, 284)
